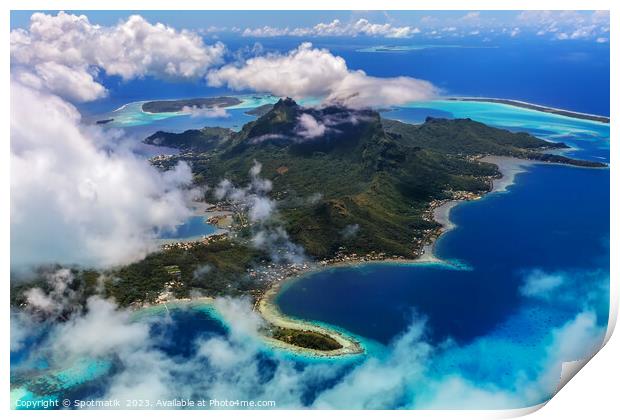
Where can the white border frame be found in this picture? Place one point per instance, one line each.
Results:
(592, 392)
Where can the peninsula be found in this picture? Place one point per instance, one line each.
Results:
(542, 108)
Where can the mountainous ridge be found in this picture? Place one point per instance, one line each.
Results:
(360, 186)
(377, 174)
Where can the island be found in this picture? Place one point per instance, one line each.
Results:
(177, 105)
(541, 108)
(362, 189)
(104, 121)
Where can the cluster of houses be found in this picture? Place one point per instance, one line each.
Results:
(187, 245)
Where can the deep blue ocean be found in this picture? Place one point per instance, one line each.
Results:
(554, 220)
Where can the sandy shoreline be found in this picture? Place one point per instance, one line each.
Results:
(269, 311)
(509, 167)
(273, 317)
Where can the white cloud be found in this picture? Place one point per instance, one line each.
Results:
(267, 234)
(332, 120)
(144, 371)
(201, 271)
(303, 72)
(540, 284)
(361, 27)
(261, 208)
(577, 339)
(402, 377)
(575, 287)
(350, 231)
(575, 24)
(82, 336)
(312, 72)
(309, 128)
(364, 27)
(358, 90)
(276, 241)
(238, 312)
(455, 392)
(224, 367)
(566, 25)
(78, 195)
(71, 83)
(471, 16)
(252, 198)
(205, 112)
(382, 382)
(580, 24)
(63, 52)
(22, 327)
(584, 32)
(265, 32)
(61, 296)
(258, 206)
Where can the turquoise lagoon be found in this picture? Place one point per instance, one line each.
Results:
(196, 227)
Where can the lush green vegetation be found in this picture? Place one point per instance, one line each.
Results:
(214, 269)
(178, 105)
(306, 339)
(464, 136)
(467, 137)
(365, 185)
